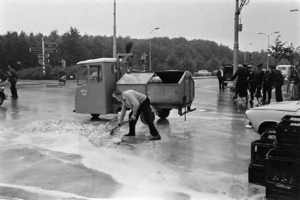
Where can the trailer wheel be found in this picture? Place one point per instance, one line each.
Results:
(143, 118)
(95, 116)
(164, 113)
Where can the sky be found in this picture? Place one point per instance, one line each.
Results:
(211, 20)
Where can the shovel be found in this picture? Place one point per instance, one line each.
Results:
(112, 130)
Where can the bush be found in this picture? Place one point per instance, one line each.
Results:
(51, 73)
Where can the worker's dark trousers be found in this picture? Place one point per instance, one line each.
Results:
(13, 90)
(146, 110)
(278, 94)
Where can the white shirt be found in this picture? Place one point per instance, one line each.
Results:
(132, 100)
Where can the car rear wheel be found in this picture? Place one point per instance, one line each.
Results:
(269, 127)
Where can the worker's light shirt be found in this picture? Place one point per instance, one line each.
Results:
(221, 72)
(131, 100)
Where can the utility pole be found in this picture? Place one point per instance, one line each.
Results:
(114, 39)
(237, 28)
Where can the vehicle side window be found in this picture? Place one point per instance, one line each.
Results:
(95, 73)
(82, 75)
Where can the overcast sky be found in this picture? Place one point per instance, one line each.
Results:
(192, 19)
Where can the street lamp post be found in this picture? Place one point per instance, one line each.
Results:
(268, 45)
(245, 58)
(150, 67)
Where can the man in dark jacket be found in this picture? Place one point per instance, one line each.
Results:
(13, 81)
(221, 78)
(241, 87)
(278, 81)
(255, 81)
(267, 86)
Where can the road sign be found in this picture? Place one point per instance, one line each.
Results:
(46, 61)
(36, 49)
(41, 61)
(50, 45)
(50, 50)
(43, 55)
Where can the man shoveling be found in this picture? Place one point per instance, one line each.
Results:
(138, 103)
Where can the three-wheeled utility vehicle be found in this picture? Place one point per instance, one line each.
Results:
(98, 78)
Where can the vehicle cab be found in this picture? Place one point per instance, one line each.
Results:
(96, 80)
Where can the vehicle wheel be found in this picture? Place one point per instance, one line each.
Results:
(163, 113)
(270, 127)
(95, 116)
(143, 118)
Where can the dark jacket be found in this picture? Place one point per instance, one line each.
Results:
(242, 81)
(268, 79)
(295, 79)
(242, 75)
(256, 78)
(278, 79)
(219, 74)
(12, 76)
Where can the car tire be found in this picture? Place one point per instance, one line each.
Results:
(271, 126)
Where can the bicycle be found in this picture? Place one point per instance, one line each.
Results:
(243, 97)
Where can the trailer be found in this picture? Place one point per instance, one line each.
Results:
(98, 78)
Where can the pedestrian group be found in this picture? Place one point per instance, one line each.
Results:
(260, 82)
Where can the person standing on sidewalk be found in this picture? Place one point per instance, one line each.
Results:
(221, 78)
(295, 81)
(255, 80)
(278, 81)
(138, 103)
(267, 84)
(12, 78)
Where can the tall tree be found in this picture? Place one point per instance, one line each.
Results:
(279, 51)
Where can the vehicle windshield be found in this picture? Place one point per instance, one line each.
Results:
(282, 68)
(82, 75)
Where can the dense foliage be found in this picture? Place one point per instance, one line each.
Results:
(176, 53)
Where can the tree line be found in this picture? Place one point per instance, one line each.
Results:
(176, 53)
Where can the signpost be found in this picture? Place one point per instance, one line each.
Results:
(36, 50)
(50, 50)
(50, 45)
(47, 47)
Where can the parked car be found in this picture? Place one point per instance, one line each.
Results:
(214, 73)
(286, 70)
(202, 73)
(266, 117)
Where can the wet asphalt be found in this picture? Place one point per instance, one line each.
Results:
(209, 148)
